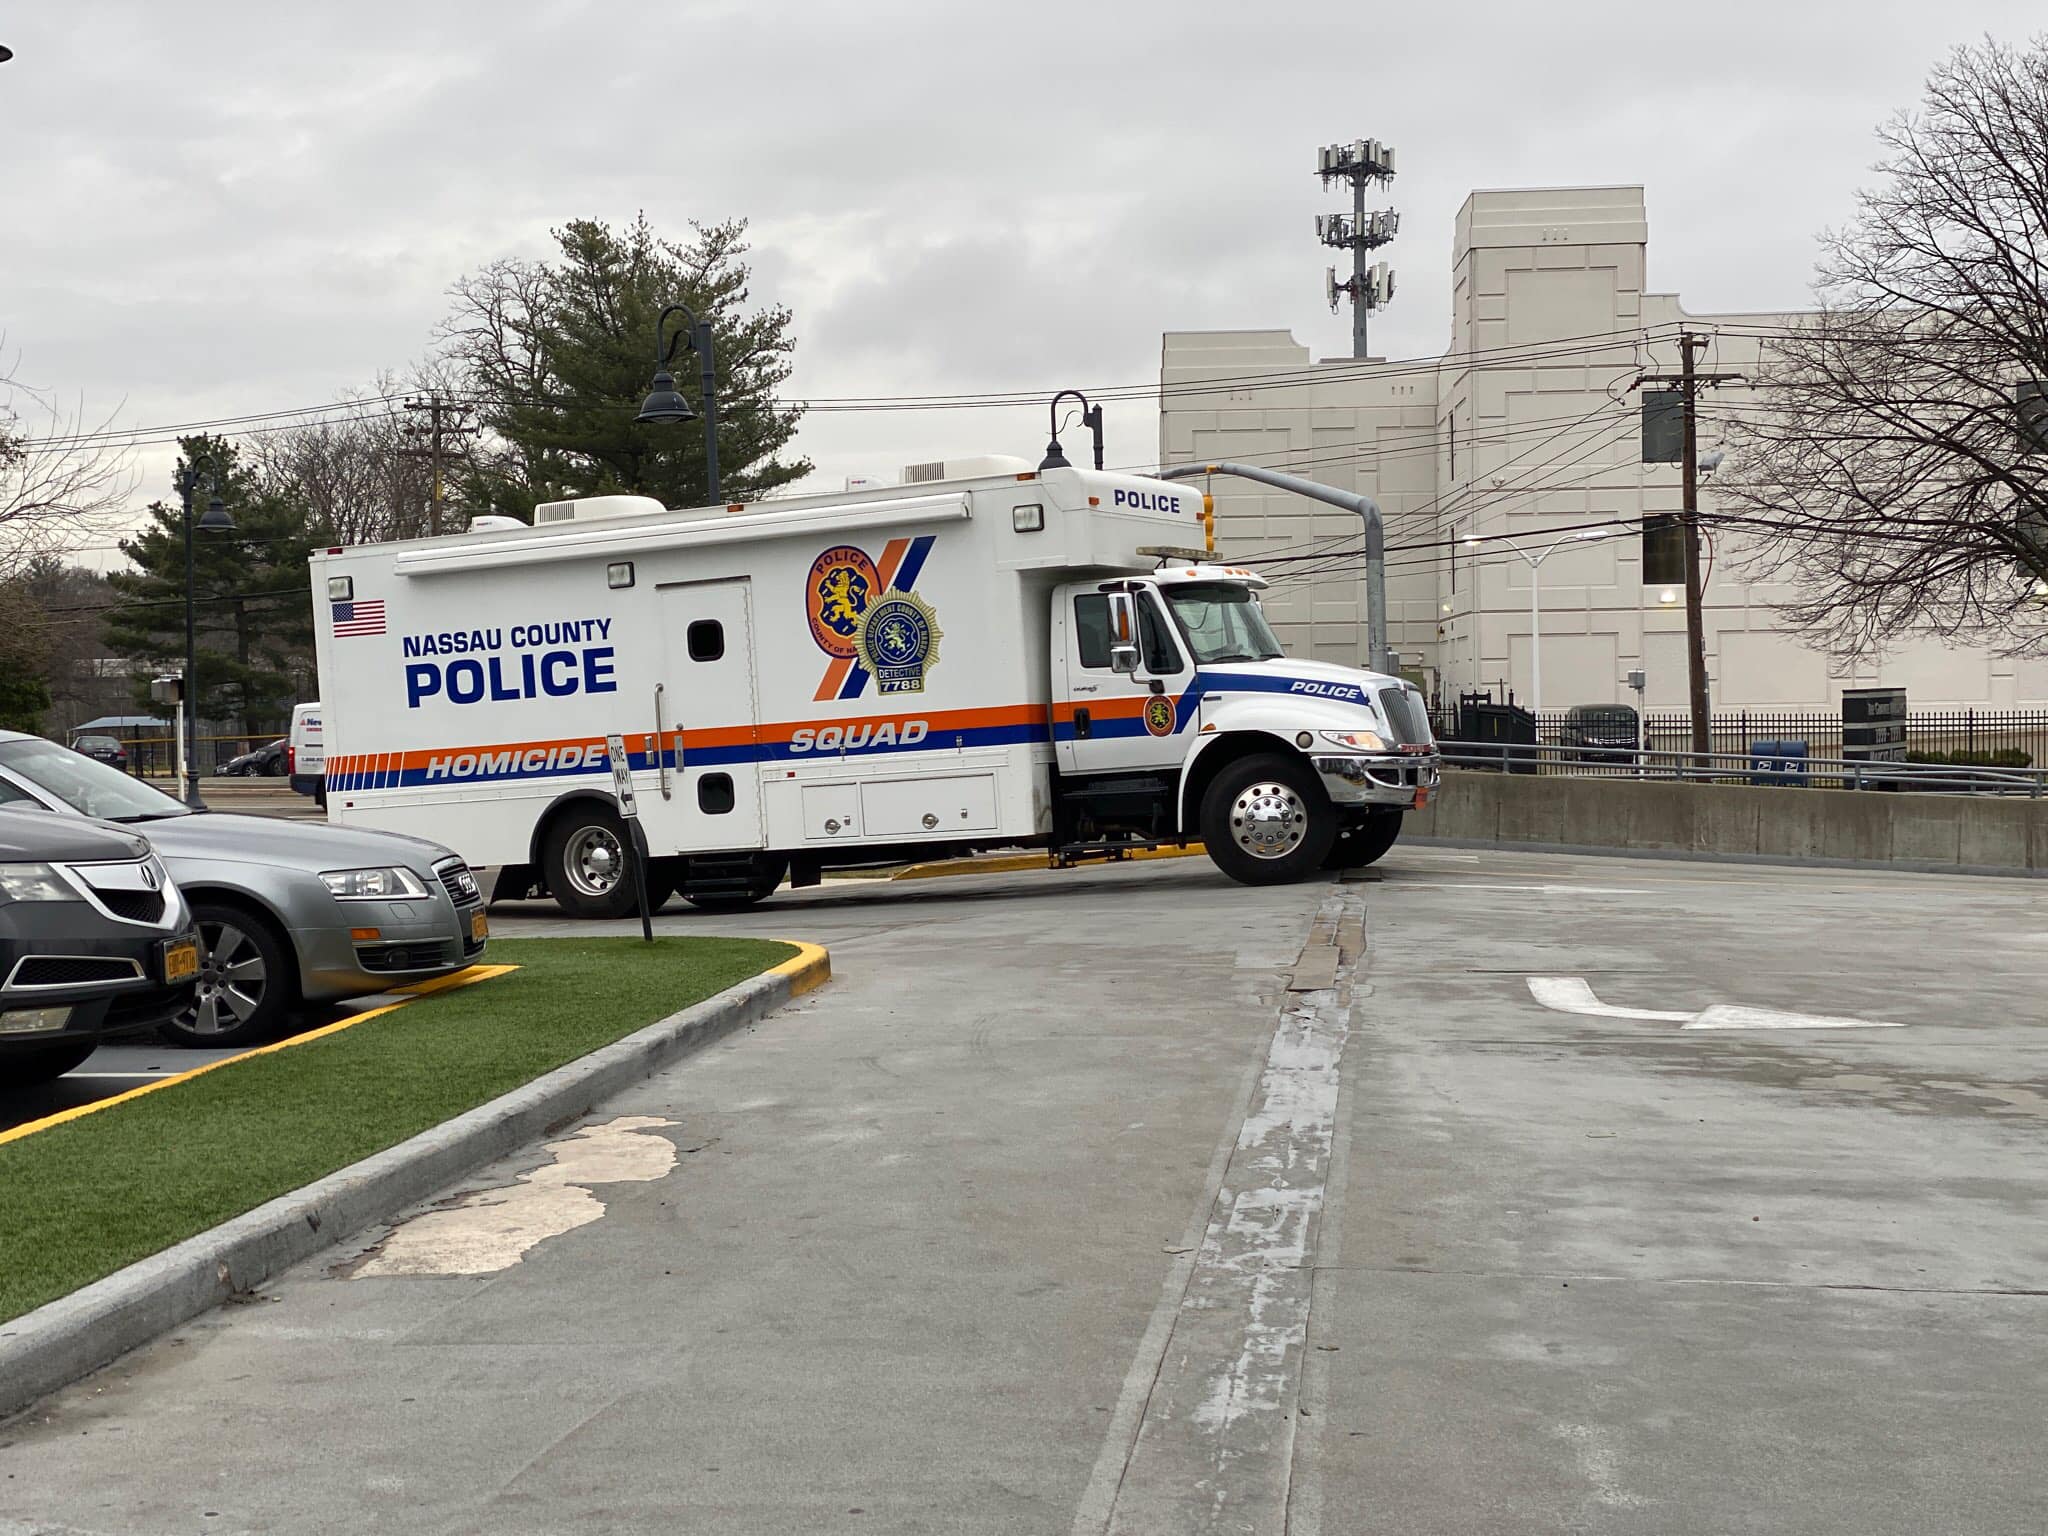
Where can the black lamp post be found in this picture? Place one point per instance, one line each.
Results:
(663, 404)
(214, 520)
(1091, 418)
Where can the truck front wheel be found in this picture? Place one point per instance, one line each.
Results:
(588, 862)
(1266, 821)
(1365, 842)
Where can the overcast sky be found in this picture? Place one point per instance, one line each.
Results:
(230, 206)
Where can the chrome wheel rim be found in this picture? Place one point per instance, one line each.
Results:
(232, 981)
(594, 861)
(1268, 820)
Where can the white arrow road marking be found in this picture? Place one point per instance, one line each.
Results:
(1571, 994)
(1730, 1016)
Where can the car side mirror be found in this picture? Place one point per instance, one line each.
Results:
(1124, 656)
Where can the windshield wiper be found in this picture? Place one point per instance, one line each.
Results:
(1236, 656)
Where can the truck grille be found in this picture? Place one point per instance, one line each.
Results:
(1405, 714)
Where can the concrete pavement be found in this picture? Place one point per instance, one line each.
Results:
(966, 1241)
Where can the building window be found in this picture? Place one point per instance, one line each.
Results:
(1663, 550)
(1453, 425)
(1454, 560)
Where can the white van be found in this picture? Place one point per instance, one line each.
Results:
(305, 752)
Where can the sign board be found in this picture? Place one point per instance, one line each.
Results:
(1874, 725)
(622, 775)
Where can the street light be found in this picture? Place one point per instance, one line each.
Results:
(215, 519)
(1535, 559)
(664, 405)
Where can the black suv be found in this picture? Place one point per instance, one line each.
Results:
(1610, 729)
(94, 938)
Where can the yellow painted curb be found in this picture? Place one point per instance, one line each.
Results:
(809, 969)
(466, 978)
(1007, 863)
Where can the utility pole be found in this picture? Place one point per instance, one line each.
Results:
(1361, 162)
(444, 422)
(1689, 381)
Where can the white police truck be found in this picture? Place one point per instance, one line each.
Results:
(987, 657)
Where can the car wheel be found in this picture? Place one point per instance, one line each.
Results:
(246, 981)
(587, 860)
(1366, 843)
(1266, 820)
(275, 770)
(24, 1069)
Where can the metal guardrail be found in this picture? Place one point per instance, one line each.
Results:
(1742, 768)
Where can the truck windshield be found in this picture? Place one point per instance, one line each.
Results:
(1222, 620)
(86, 785)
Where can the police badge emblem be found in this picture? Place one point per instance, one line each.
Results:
(1159, 715)
(898, 641)
(843, 581)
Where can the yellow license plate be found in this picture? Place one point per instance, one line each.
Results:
(478, 927)
(181, 961)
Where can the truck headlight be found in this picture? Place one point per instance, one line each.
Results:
(33, 882)
(1357, 741)
(393, 882)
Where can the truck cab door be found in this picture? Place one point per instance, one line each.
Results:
(1105, 720)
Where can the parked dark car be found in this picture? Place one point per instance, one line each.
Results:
(103, 749)
(266, 762)
(94, 938)
(1609, 728)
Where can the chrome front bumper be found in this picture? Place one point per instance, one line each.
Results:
(1393, 778)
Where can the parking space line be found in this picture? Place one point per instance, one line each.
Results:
(466, 978)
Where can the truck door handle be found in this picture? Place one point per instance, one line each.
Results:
(1083, 726)
(660, 757)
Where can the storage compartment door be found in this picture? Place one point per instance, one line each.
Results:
(947, 805)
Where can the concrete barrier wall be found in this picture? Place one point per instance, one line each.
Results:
(1976, 834)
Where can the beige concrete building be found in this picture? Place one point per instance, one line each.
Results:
(1523, 431)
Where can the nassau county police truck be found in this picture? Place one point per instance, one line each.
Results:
(987, 657)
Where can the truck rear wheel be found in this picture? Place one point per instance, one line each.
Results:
(588, 862)
(1365, 842)
(1266, 821)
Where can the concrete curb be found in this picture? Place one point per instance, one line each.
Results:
(67, 1338)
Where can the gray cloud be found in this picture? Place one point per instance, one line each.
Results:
(241, 206)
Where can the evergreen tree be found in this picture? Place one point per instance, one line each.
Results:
(253, 605)
(558, 355)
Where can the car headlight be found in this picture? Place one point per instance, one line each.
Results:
(33, 882)
(1357, 741)
(392, 882)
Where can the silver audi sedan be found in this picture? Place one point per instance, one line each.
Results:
(291, 911)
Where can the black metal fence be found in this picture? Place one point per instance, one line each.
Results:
(1958, 735)
(2011, 738)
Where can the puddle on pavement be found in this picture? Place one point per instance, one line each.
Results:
(487, 1230)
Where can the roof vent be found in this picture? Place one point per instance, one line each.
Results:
(585, 508)
(492, 522)
(979, 467)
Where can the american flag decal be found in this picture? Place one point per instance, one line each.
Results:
(359, 618)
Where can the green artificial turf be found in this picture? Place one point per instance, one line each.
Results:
(80, 1200)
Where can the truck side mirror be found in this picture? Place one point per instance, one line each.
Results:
(1123, 634)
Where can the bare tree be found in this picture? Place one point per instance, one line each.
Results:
(60, 476)
(358, 475)
(1899, 478)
